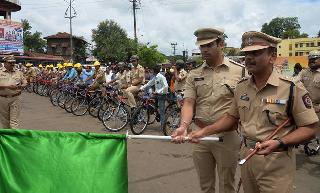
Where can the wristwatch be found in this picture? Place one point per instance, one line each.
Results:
(281, 144)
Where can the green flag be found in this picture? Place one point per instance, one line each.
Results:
(61, 162)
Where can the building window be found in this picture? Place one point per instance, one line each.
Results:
(290, 46)
(307, 45)
(54, 50)
(290, 54)
(296, 54)
(301, 45)
(312, 44)
(296, 45)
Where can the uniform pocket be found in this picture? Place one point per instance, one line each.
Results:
(243, 108)
(274, 114)
(204, 88)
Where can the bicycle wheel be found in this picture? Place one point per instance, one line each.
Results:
(54, 97)
(139, 120)
(94, 106)
(172, 119)
(79, 106)
(67, 103)
(115, 118)
(103, 107)
(61, 99)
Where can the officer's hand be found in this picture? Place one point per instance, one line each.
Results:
(267, 147)
(178, 135)
(194, 136)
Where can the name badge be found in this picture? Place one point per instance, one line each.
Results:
(198, 78)
(274, 101)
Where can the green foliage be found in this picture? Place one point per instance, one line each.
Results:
(150, 56)
(111, 42)
(80, 53)
(32, 41)
(283, 27)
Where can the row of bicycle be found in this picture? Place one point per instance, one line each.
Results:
(109, 106)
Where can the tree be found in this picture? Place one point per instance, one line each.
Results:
(111, 42)
(80, 51)
(150, 56)
(32, 41)
(283, 27)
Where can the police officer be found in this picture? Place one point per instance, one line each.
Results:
(31, 72)
(208, 93)
(137, 79)
(261, 103)
(179, 76)
(311, 80)
(11, 82)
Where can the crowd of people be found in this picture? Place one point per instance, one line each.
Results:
(220, 98)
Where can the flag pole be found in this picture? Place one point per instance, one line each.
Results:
(168, 138)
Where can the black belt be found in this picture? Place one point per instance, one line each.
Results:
(11, 96)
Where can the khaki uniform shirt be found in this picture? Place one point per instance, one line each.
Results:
(31, 72)
(180, 85)
(99, 76)
(127, 76)
(11, 79)
(209, 87)
(121, 79)
(137, 73)
(252, 106)
(311, 80)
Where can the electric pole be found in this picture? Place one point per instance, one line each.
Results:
(135, 7)
(173, 45)
(72, 14)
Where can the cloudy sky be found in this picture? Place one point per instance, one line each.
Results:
(162, 22)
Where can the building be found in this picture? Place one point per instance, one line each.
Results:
(59, 45)
(8, 6)
(298, 47)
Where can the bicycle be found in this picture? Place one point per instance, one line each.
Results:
(117, 115)
(312, 147)
(173, 114)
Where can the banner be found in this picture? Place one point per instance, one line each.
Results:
(285, 65)
(61, 162)
(11, 37)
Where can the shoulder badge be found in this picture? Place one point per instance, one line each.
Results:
(307, 101)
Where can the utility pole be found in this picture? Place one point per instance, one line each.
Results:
(70, 17)
(134, 8)
(173, 45)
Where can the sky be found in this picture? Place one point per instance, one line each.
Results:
(163, 22)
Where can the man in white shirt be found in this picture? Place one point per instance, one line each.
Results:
(161, 90)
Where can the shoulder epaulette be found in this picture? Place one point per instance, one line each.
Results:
(243, 79)
(288, 78)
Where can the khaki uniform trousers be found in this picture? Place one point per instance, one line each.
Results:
(268, 174)
(131, 91)
(223, 156)
(9, 112)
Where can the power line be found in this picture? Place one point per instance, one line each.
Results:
(72, 14)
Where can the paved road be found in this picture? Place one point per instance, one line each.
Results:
(154, 166)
